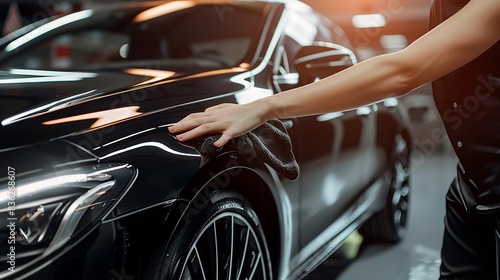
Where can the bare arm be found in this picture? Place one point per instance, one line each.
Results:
(457, 41)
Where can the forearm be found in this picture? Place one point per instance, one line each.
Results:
(367, 82)
(435, 54)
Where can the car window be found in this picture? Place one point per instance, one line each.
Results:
(301, 30)
(195, 36)
(64, 51)
(284, 74)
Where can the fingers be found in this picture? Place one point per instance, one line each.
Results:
(196, 119)
(191, 129)
(196, 131)
(219, 107)
(187, 123)
(213, 120)
(222, 140)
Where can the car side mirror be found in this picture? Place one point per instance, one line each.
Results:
(321, 60)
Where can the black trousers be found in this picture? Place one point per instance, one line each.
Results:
(469, 249)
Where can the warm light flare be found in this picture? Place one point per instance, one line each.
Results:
(102, 117)
(157, 75)
(163, 10)
(244, 65)
(368, 21)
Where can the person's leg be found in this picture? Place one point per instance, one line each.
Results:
(468, 250)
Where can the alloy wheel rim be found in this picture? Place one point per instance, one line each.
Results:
(400, 186)
(226, 248)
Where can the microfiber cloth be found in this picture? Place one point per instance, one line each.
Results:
(268, 143)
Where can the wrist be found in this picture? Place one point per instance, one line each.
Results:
(267, 108)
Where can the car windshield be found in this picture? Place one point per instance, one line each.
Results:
(194, 37)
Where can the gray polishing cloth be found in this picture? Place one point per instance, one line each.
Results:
(268, 143)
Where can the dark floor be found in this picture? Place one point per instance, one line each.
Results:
(417, 257)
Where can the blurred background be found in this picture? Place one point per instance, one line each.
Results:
(378, 27)
(374, 27)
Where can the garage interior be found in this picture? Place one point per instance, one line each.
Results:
(418, 255)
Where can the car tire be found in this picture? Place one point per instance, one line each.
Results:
(390, 224)
(224, 240)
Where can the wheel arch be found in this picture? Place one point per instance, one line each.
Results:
(251, 179)
(258, 193)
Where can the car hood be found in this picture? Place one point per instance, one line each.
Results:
(33, 101)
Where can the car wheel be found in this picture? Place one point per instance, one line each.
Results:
(224, 240)
(390, 224)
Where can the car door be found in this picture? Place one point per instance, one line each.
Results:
(330, 146)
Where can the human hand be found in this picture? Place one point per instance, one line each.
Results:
(230, 120)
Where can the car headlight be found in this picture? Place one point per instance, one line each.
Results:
(39, 215)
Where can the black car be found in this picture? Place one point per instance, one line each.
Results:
(94, 186)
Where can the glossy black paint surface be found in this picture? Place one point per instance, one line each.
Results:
(61, 121)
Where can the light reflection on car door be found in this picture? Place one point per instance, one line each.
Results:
(332, 160)
(330, 153)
